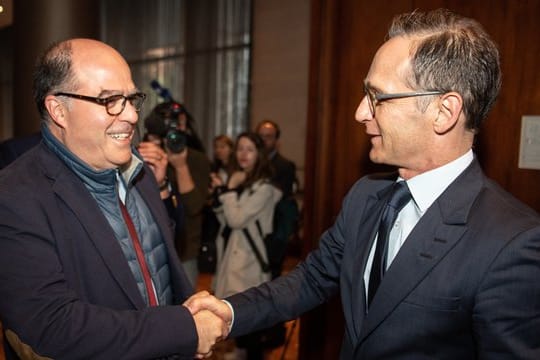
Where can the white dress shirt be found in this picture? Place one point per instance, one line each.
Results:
(425, 189)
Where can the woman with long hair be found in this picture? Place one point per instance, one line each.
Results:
(245, 210)
(223, 157)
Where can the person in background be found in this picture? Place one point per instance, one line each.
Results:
(88, 268)
(284, 169)
(434, 261)
(287, 212)
(12, 148)
(223, 157)
(188, 172)
(245, 211)
(220, 170)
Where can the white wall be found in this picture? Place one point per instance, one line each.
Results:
(279, 79)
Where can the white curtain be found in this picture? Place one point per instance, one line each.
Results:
(198, 49)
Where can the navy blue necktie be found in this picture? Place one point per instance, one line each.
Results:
(399, 197)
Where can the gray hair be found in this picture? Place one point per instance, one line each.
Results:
(53, 72)
(452, 53)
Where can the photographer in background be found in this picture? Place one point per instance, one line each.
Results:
(188, 171)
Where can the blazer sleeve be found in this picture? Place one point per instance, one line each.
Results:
(310, 284)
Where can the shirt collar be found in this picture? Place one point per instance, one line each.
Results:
(93, 179)
(427, 187)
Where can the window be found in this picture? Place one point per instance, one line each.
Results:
(198, 49)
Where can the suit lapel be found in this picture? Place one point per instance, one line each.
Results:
(364, 238)
(429, 242)
(364, 241)
(437, 232)
(71, 190)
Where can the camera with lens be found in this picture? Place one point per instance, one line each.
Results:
(163, 123)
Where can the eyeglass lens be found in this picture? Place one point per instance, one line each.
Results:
(116, 104)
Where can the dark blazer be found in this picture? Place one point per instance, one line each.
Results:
(65, 287)
(464, 285)
(284, 174)
(15, 147)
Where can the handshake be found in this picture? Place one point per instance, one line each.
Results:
(213, 319)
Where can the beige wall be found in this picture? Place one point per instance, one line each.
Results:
(279, 79)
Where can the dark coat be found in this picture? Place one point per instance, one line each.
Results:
(65, 287)
(464, 285)
(284, 174)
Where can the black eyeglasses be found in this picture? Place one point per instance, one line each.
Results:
(114, 104)
(375, 98)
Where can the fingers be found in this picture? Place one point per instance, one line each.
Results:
(236, 179)
(204, 356)
(178, 160)
(200, 294)
(204, 301)
(156, 158)
(151, 152)
(210, 330)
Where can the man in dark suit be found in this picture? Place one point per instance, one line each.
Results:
(88, 268)
(284, 169)
(457, 276)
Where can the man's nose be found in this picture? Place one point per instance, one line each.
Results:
(363, 112)
(130, 113)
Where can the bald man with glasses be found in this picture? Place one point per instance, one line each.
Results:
(88, 268)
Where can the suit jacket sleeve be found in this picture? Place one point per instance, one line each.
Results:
(310, 284)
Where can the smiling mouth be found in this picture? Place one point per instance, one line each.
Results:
(121, 135)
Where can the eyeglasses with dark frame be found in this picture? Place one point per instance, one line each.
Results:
(115, 104)
(375, 98)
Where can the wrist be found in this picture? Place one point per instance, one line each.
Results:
(220, 190)
(165, 185)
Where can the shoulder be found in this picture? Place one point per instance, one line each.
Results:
(198, 161)
(266, 186)
(501, 207)
(30, 170)
(372, 184)
(195, 154)
(282, 160)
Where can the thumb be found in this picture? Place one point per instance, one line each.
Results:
(191, 303)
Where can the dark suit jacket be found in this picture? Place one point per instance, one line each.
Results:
(284, 174)
(464, 285)
(65, 286)
(15, 147)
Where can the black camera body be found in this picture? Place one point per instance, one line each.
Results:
(175, 140)
(163, 122)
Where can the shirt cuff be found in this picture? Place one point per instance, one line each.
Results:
(232, 312)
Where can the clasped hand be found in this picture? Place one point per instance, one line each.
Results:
(212, 317)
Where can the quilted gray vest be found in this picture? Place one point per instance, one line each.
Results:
(103, 186)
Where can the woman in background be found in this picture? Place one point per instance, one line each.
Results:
(248, 198)
(223, 157)
(220, 169)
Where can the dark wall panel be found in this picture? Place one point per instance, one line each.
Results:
(345, 35)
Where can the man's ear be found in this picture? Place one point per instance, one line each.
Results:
(56, 109)
(450, 110)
